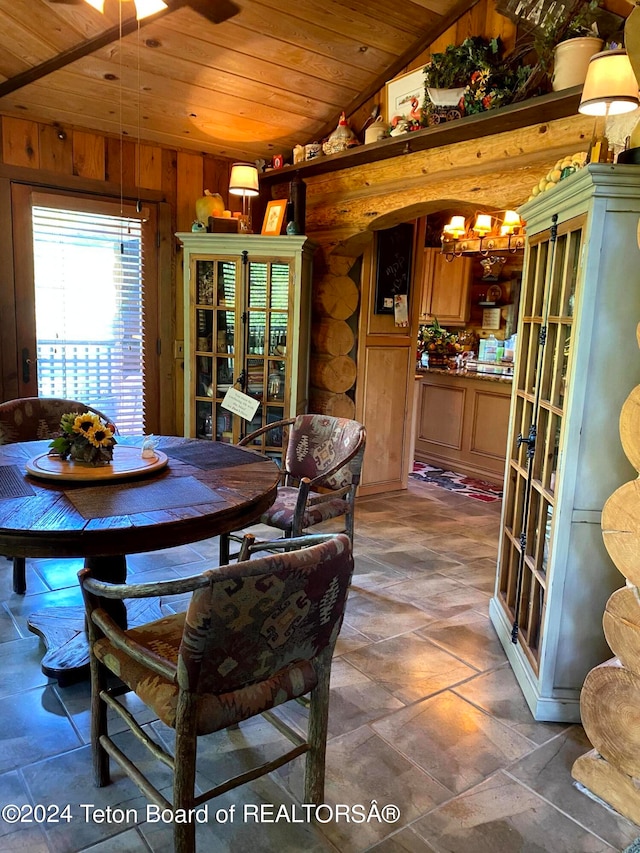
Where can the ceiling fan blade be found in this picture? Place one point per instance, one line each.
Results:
(216, 11)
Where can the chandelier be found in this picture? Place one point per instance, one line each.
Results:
(483, 234)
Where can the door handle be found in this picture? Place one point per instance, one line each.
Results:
(26, 365)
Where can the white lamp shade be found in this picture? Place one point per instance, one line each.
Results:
(244, 180)
(511, 220)
(483, 223)
(144, 8)
(611, 87)
(456, 227)
(97, 4)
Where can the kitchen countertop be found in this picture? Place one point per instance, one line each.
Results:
(464, 374)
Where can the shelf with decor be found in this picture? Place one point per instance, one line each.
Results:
(247, 318)
(538, 110)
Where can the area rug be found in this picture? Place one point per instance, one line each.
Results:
(470, 487)
(634, 847)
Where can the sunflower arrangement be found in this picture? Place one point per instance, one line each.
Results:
(84, 438)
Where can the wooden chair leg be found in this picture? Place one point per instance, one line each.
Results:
(101, 775)
(224, 549)
(317, 733)
(184, 780)
(19, 575)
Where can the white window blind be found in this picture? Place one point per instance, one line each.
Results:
(89, 311)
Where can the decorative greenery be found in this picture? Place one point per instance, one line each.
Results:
(477, 64)
(435, 340)
(85, 438)
(563, 25)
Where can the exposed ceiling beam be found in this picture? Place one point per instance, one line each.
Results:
(217, 12)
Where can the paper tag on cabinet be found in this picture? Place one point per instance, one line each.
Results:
(240, 404)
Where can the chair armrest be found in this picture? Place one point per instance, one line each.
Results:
(330, 495)
(293, 544)
(134, 650)
(143, 590)
(244, 441)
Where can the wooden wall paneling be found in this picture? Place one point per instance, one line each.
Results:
(169, 367)
(8, 344)
(20, 142)
(149, 166)
(215, 178)
(190, 177)
(89, 160)
(121, 161)
(56, 148)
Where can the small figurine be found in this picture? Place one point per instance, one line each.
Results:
(148, 448)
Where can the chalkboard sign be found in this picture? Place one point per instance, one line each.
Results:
(393, 266)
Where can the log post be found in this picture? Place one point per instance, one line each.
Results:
(610, 697)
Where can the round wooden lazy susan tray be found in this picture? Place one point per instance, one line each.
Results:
(126, 462)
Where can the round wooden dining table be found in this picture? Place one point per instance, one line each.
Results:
(197, 489)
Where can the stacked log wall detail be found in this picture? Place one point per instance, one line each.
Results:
(610, 697)
(333, 368)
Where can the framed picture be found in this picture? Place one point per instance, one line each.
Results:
(401, 92)
(274, 216)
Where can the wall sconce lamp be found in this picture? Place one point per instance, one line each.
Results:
(144, 8)
(487, 234)
(610, 89)
(243, 181)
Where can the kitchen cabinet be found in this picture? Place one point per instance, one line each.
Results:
(462, 422)
(247, 303)
(576, 362)
(445, 289)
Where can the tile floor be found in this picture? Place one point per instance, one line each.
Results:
(425, 715)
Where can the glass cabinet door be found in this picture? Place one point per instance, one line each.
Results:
(217, 286)
(540, 381)
(266, 323)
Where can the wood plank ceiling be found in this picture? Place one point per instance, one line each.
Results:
(276, 73)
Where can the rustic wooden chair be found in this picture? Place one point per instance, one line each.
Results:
(31, 419)
(320, 474)
(256, 634)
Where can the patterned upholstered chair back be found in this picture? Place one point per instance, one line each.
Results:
(256, 620)
(317, 442)
(33, 418)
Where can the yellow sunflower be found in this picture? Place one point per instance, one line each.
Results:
(85, 423)
(100, 436)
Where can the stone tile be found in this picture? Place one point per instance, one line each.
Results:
(129, 841)
(452, 740)
(469, 636)
(68, 778)
(499, 694)
(409, 667)
(349, 640)
(20, 666)
(361, 768)
(34, 726)
(415, 562)
(370, 574)
(480, 573)
(461, 547)
(35, 583)
(453, 599)
(12, 835)
(355, 700)
(165, 558)
(58, 574)
(405, 841)
(8, 629)
(22, 606)
(502, 816)
(234, 826)
(548, 772)
(377, 616)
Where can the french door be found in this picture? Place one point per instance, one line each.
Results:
(86, 303)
